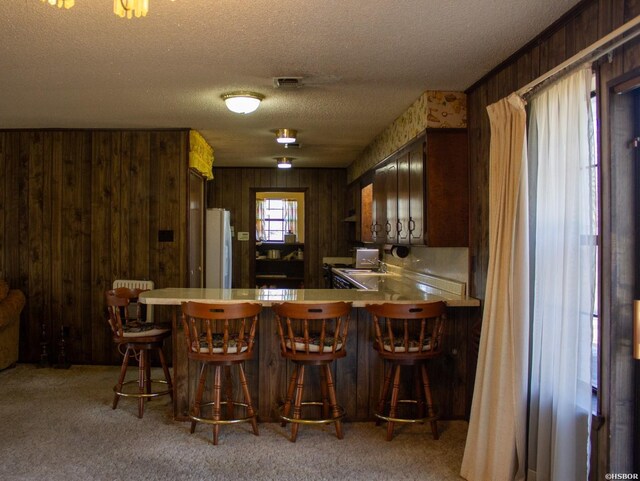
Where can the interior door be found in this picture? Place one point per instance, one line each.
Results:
(618, 390)
(635, 142)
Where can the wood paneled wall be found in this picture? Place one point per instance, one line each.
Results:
(325, 206)
(79, 209)
(613, 448)
(581, 27)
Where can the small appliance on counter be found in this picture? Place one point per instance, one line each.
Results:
(366, 258)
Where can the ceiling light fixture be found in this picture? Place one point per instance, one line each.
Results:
(286, 136)
(284, 162)
(242, 102)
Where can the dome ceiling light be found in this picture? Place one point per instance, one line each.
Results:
(242, 102)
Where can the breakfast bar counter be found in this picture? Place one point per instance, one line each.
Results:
(358, 375)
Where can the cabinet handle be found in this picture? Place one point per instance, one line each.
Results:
(412, 225)
(388, 227)
(399, 227)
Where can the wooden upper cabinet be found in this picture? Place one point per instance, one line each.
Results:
(366, 213)
(391, 222)
(379, 206)
(385, 201)
(446, 207)
(411, 194)
(421, 194)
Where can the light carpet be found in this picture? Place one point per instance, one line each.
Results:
(59, 425)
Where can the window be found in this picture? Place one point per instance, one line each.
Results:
(276, 217)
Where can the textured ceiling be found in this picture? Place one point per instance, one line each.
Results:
(363, 63)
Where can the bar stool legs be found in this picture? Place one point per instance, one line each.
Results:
(216, 400)
(144, 381)
(427, 393)
(423, 394)
(331, 411)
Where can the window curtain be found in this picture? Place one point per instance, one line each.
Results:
(290, 216)
(496, 440)
(560, 391)
(260, 235)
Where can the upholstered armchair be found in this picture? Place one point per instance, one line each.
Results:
(11, 303)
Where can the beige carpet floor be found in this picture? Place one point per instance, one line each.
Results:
(59, 425)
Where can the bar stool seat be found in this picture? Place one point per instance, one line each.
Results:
(139, 338)
(221, 336)
(312, 335)
(408, 335)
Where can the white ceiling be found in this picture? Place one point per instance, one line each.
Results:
(363, 63)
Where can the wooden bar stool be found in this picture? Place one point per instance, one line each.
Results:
(138, 338)
(221, 336)
(312, 335)
(410, 335)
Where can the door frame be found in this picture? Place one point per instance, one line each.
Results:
(252, 227)
(616, 444)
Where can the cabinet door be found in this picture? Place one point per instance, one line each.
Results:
(415, 224)
(411, 194)
(404, 198)
(366, 214)
(379, 206)
(447, 195)
(391, 184)
(385, 196)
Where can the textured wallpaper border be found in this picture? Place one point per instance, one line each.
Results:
(433, 109)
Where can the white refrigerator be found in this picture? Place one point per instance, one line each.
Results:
(217, 249)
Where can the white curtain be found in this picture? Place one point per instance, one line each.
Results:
(560, 392)
(290, 216)
(496, 440)
(260, 219)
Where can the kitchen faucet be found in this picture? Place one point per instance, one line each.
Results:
(378, 264)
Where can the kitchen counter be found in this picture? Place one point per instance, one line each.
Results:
(358, 375)
(377, 289)
(405, 286)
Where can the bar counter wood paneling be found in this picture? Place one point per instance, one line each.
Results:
(357, 376)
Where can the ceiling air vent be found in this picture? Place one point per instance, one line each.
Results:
(287, 82)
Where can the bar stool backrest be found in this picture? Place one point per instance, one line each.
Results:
(318, 330)
(409, 330)
(216, 330)
(121, 314)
